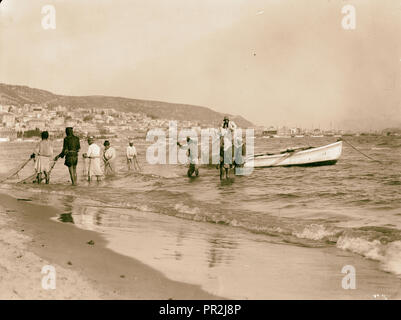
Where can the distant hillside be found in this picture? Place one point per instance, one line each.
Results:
(20, 95)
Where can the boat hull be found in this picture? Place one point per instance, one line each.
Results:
(320, 156)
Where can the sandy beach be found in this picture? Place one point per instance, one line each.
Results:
(29, 240)
(88, 266)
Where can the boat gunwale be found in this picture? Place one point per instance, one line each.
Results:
(307, 164)
(280, 155)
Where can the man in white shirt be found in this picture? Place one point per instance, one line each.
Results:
(93, 154)
(131, 157)
(227, 130)
(228, 125)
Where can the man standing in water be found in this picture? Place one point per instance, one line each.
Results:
(228, 125)
(224, 164)
(109, 157)
(192, 153)
(94, 160)
(131, 157)
(42, 155)
(70, 151)
(227, 132)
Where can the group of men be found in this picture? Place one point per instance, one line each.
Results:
(94, 156)
(71, 148)
(227, 139)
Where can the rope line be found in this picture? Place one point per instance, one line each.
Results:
(361, 152)
(22, 166)
(33, 176)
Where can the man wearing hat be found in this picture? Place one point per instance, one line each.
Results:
(93, 154)
(70, 151)
(228, 125)
(226, 134)
(109, 157)
(131, 156)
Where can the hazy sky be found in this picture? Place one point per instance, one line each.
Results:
(274, 62)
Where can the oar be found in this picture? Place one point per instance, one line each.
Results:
(289, 154)
(283, 158)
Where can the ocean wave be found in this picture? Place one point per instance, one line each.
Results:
(389, 254)
(377, 243)
(140, 193)
(315, 232)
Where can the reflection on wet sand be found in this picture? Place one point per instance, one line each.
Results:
(67, 215)
(87, 217)
(230, 264)
(218, 253)
(179, 243)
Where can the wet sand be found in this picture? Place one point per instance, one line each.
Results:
(219, 261)
(84, 271)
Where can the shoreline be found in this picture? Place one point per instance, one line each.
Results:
(124, 267)
(107, 274)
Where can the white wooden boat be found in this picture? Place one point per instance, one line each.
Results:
(305, 156)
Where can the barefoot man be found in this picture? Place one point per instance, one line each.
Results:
(93, 154)
(70, 151)
(192, 154)
(131, 157)
(42, 155)
(224, 165)
(109, 157)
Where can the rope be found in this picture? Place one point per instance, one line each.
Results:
(33, 176)
(361, 151)
(54, 163)
(27, 179)
(18, 170)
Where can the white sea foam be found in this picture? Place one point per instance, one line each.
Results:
(389, 255)
(314, 232)
(182, 208)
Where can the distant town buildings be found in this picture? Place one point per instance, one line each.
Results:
(29, 119)
(284, 131)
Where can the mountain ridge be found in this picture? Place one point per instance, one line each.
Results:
(21, 94)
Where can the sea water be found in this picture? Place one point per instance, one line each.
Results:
(207, 231)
